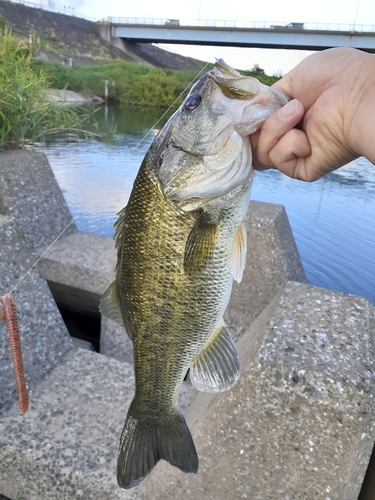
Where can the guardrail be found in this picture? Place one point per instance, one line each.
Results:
(208, 23)
(69, 11)
(212, 23)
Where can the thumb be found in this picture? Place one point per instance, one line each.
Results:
(274, 128)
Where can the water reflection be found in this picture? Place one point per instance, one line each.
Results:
(333, 219)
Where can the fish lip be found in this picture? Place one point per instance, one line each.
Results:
(223, 66)
(281, 95)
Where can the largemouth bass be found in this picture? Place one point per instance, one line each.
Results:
(180, 242)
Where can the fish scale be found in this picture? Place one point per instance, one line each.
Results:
(180, 242)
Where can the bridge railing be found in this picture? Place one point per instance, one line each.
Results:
(212, 23)
(69, 11)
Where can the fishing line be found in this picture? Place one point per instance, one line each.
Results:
(170, 107)
(356, 14)
(108, 178)
(8, 311)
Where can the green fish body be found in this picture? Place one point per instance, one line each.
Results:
(180, 241)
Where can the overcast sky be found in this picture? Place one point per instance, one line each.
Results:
(281, 12)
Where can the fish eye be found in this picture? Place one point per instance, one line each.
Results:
(193, 101)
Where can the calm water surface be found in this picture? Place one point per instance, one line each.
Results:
(333, 219)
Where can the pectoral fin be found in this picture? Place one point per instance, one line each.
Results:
(239, 252)
(200, 244)
(217, 367)
(109, 304)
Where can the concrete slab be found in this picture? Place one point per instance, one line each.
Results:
(32, 214)
(30, 193)
(66, 445)
(299, 424)
(114, 341)
(78, 268)
(272, 260)
(45, 339)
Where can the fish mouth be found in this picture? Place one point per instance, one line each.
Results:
(230, 90)
(226, 69)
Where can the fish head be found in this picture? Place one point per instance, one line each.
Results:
(206, 149)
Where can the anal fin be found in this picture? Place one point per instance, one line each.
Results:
(217, 367)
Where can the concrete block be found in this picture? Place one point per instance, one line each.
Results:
(78, 268)
(30, 193)
(299, 424)
(114, 341)
(272, 260)
(45, 340)
(65, 446)
(33, 213)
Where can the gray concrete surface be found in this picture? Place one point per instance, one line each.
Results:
(30, 193)
(79, 267)
(45, 340)
(32, 213)
(272, 260)
(65, 446)
(299, 424)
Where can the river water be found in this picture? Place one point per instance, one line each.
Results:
(333, 219)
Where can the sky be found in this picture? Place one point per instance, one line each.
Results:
(273, 61)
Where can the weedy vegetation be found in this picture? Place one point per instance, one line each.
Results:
(130, 83)
(25, 114)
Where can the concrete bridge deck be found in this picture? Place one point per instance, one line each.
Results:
(251, 34)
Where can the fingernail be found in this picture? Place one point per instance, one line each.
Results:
(288, 110)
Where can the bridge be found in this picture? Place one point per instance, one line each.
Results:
(306, 36)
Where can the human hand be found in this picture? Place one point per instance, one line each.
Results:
(333, 94)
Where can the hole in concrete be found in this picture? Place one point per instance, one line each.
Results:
(82, 326)
(368, 486)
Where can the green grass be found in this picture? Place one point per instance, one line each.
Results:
(25, 115)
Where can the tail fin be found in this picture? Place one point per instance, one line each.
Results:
(142, 445)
